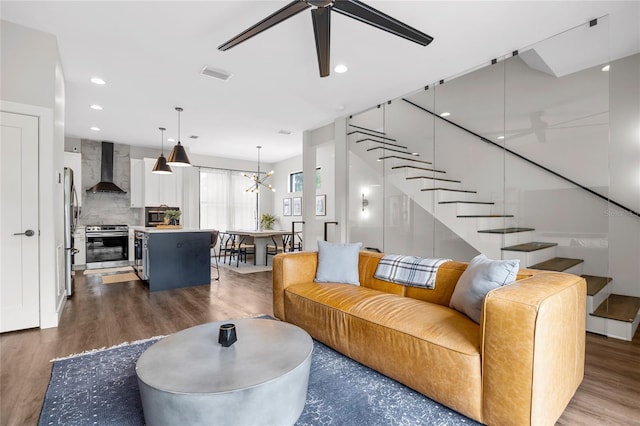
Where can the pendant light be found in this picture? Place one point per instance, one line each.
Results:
(178, 156)
(161, 167)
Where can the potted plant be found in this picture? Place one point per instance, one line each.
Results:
(172, 216)
(267, 220)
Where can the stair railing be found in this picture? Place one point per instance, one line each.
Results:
(293, 234)
(546, 169)
(325, 228)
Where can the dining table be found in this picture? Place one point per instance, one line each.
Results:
(260, 238)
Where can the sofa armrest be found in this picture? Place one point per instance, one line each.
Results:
(533, 348)
(288, 269)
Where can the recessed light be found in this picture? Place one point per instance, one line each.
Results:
(605, 68)
(171, 140)
(94, 128)
(98, 80)
(341, 68)
(415, 154)
(500, 137)
(96, 107)
(445, 114)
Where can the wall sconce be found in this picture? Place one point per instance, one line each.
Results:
(365, 202)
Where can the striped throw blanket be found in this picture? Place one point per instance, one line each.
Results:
(409, 270)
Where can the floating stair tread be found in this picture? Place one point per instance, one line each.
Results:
(370, 134)
(449, 189)
(386, 157)
(368, 130)
(433, 178)
(392, 150)
(557, 264)
(407, 166)
(467, 202)
(595, 283)
(529, 247)
(505, 230)
(382, 142)
(619, 308)
(484, 215)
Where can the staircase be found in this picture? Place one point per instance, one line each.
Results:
(484, 225)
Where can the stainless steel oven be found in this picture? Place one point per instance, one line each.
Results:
(107, 246)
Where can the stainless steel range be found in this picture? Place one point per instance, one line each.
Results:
(107, 246)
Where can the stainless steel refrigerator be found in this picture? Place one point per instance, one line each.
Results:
(70, 220)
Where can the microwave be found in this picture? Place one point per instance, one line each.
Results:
(154, 216)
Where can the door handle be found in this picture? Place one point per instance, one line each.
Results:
(28, 233)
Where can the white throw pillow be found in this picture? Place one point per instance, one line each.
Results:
(481, 276)
(338, 263)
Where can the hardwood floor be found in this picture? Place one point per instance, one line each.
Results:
(103, 315)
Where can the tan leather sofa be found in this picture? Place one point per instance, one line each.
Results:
(520, 366)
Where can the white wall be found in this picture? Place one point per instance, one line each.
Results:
(282, 170)
(33, 83)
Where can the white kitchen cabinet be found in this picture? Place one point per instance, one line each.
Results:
(80, 244)
(136, 190)
(73, 160)
(161, 189)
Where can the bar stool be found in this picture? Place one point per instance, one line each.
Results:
(214, 243)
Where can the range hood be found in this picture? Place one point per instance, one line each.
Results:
(106, 172)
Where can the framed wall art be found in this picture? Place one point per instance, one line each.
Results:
(297, 206)
(321, 205)
(286, 207)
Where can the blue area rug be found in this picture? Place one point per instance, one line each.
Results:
(100, 388)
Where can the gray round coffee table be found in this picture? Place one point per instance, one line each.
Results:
(189, 378)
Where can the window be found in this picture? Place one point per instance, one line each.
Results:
(223, 203)
(296, 181)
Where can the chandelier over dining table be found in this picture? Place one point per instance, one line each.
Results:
(258, 180)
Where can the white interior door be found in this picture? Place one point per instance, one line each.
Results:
(19, 282)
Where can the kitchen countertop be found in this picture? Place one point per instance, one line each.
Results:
(154, 230)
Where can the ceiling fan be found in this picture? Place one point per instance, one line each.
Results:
(322, 24)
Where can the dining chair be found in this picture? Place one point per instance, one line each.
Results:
(277, 245)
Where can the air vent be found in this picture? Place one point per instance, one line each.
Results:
(194, 137)
(216, 73)
(284, 132)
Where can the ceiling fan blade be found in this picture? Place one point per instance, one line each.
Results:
(367, 14)
(322, 31)
(286, 12)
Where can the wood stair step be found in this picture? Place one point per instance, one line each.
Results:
(511, 230)
(466, 216)
(619, 308)
(433, 178)
(417, 168)
(529, 247)
(466, 202)
(393, 150)
(557, 264)
(382, 142)
(388, 157)
(449, 189)
(595, 283)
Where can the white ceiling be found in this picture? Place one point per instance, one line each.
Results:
(151, 52)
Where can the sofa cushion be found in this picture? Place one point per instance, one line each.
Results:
(481, 276)
(338, 263)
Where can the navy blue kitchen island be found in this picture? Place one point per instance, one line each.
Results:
(173, 258)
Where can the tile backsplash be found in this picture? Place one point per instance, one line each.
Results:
(106, 208)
